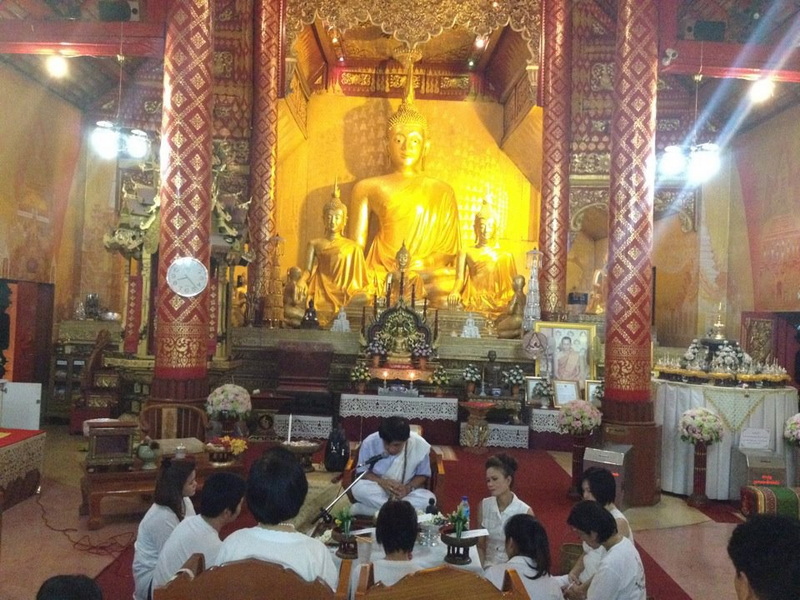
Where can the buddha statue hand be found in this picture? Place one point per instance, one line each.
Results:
(454, 300)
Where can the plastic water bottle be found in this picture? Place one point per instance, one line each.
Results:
(465, 508)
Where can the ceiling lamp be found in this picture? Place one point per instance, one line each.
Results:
(110, 141)
(57, 66)
(697, 162)
(761, 90)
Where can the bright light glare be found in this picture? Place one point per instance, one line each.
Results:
(480, 42)
(105, 141)
(57, 66)
(673, 161)
(137, 144)
(761, 90)
(704, 163)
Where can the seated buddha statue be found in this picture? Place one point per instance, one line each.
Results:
(402, 282)
(509, 324)
(335, 273)
(407, 206)
(485, 272)
(294, 298)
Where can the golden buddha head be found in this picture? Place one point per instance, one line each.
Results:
(408, 130)
(334, 212)
(403, 257)
(485, 224)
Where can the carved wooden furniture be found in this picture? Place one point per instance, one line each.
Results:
(440, 583)
(99, 386)
(98, 485)
(249, 579)
(173, 420)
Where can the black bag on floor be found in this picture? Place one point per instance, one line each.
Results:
(337, 451)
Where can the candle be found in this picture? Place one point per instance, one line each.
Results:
(402, 284)
(413, 294)
(425, 308)
(363, 320)
(436, 324)
(375, 306)
(289, 432)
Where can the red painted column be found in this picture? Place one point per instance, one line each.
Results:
(556, 94)
(264, 289)
(627, 407)
(182, 323)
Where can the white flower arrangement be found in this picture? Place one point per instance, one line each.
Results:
(377, 348)
(514, 376)
(228, 401)
(700, 426)
(440, 376)
(421, 349)
(360, 372)
(791, 431)
(578, 418)
(696, 353)
(471, 373)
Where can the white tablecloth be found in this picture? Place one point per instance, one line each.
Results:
(739, 409)
(411, 407)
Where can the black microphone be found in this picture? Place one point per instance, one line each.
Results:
(370, 462)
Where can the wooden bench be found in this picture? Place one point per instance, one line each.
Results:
(762, 499)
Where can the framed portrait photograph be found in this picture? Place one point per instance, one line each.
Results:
(569, 354)
(534, 386)
(591, 387)
(565, 391)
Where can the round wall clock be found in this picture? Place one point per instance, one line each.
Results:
(187, 276)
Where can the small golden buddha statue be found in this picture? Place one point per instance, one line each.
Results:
(406, 206)
(597, 298)
(294, 298)
(335, 272)
(402, 282)
(509, 324)
(485, 272)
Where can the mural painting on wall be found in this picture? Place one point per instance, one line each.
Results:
(30, 243)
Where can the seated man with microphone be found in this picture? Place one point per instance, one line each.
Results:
(397, 466)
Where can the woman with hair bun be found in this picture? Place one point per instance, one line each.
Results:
(498, 508)
(529, 551)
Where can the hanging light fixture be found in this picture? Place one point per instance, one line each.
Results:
(109, 140)
(696, 162)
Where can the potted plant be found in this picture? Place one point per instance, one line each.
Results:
(422, 351)
(347, 541)
(440, 378)
(228, 404)
(514, 378)
(457, 546)
(360, 375)
(472, 375)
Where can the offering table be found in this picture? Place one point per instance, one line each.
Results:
(739, 409)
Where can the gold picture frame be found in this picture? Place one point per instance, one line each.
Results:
(565, 391)
(575, 361)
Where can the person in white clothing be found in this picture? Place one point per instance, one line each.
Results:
(176, 484)
(495, 510)
(529, 549)
(220, 504)
(597, 484)
(276, 489)
(401, 468)
(620, 575)
(396, 531)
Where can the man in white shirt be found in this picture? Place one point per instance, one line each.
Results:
(620, 575)
(220, 504)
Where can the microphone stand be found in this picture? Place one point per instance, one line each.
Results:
(324, 513)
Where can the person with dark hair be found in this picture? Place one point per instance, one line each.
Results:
(597, 484)
(401, 472)
(620, 575)
(176, 484)
(69, 587)
(276, 489)
(220, 504)
(396, 531)
(495, 510)
(529, 551)
(765, 551)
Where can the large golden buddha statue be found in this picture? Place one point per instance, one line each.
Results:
(485, 272)
(408, 206)
(335, 274)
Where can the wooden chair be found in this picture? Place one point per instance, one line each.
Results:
(435, 482)
(568, 555)
(249, 579)
(440, 583)
(173, 421)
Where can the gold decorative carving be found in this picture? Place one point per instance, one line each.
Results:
(677, 201)
(601, 77)
(591, 163)
(759, 335)
(416, 22)
(297, 101)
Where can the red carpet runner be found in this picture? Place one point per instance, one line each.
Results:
(540, 482)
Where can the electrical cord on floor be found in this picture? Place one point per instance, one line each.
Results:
(112, 546)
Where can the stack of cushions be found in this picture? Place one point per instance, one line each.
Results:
(760, 499)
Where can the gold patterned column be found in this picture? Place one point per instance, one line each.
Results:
(182, 322)
(557, 84)
(264, 289)
(627, 408)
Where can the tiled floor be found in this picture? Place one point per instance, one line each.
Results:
(44, 536)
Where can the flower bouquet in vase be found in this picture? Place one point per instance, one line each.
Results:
(360, 376)
(472, 376)
(421, 351)
(513, 379)
(578, 419)
(377, 349)
(342, 533)
(700, 427)
(440, 379)
(228, 404)
(791, 433)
